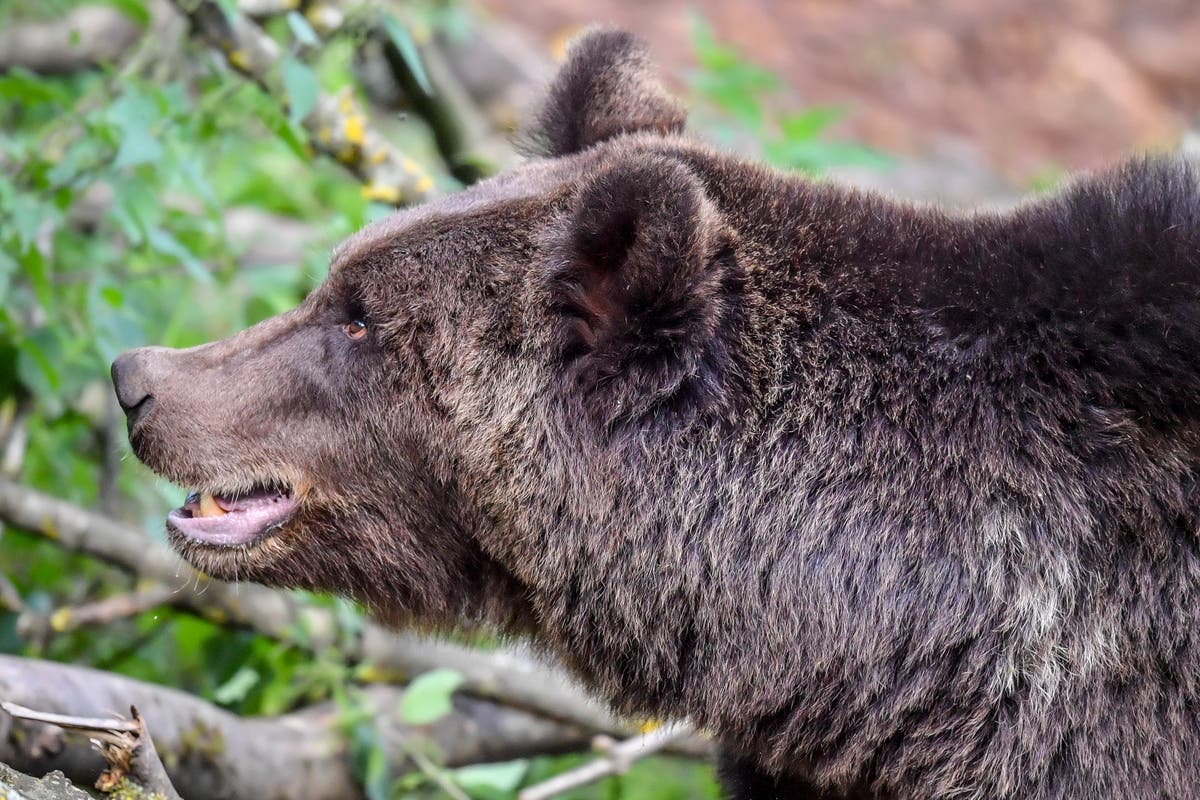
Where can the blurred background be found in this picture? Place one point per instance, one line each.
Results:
(174, 170)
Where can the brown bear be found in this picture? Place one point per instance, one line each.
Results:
(896, 503)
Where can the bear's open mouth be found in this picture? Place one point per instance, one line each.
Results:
(233, 518)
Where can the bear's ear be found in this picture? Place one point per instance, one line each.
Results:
(606, 87)
(644, 278)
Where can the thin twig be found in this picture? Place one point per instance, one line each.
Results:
(100, 612)
(436, 775)
(94, 725)
(14, 435)
(10, 598)
(616, 759)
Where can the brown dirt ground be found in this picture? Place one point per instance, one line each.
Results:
(1029, 85)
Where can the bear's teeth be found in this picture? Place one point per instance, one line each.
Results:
(209, 506)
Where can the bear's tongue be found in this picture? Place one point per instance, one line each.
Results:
(232, 519)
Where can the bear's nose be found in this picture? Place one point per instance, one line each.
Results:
(131, 379)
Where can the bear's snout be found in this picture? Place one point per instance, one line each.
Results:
(131, 378)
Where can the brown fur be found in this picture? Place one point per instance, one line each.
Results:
(897, 504)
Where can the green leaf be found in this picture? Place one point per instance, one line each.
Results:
(111, 329)
(237, 687)
(367, 754)
(25, 215)
(135, 114)
(173, 100)
(349, 618)
(8, 265)
(35, 369)
(377, 777)
(113, 296)
(407, 49)
(303, 32)
(290, 133)
(134, 9)
(132, 110)
(137, 207)
(300, 83)
(164, 242)
(810, 123)
(138, 147)
(74, 165)
(23, 86)
(427, 698)
(38, 359)
(37, 271)
(817, 155)
(491, 779)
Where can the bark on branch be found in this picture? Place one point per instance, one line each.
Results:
(54, 786)
(210, 753)
(87, 36)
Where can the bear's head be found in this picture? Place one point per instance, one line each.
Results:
(379, 439)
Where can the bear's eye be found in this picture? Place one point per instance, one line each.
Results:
(356, 329)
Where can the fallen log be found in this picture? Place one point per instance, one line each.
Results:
(211, 753)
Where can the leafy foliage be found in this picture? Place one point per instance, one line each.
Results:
(750, 115)
(427, 698)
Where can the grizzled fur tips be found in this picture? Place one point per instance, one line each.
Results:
(899, 504)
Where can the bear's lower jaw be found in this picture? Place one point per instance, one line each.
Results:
(232, 521)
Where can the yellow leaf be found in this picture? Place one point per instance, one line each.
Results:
(239, 59)
(49, 528)
(381, 192)
(60, 620)
(354, 129)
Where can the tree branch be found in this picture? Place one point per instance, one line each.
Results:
(336, 126)
(87, 36)
(125, 745)
(209, 752)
